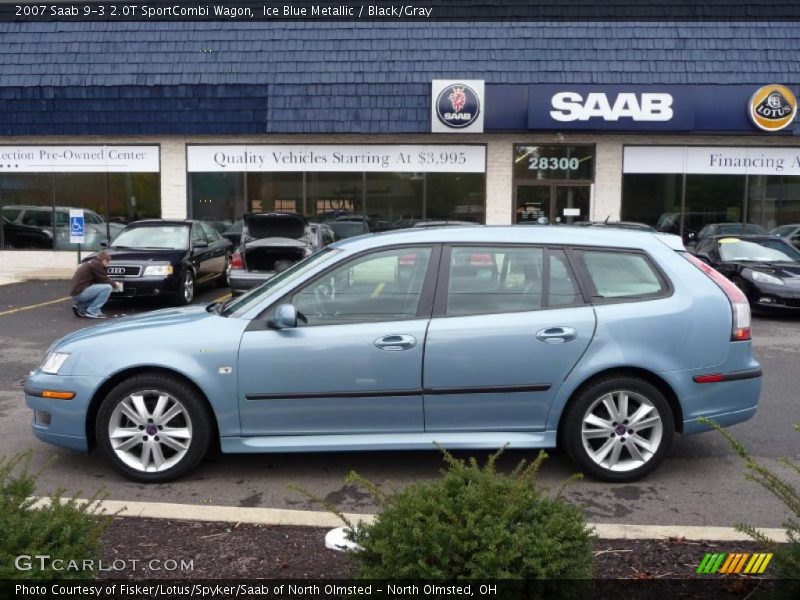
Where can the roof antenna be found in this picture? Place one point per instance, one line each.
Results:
(607, 218)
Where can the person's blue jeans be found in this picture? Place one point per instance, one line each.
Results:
(92, 299)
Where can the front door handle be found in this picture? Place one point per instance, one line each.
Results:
(396, 342)
(557, 335)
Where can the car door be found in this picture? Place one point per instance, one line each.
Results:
(355, 364)
(217, 250)
(509, 324)
(201, 253)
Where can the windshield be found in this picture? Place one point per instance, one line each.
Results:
(766, 250)
(237, 306)
(160, 237)
(784, 230)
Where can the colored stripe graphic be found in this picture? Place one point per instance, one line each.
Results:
(724, 563)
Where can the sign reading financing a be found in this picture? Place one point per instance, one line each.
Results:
(773, 107)
(77, 226)
(457, 106)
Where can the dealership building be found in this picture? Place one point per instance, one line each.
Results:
(671, 124)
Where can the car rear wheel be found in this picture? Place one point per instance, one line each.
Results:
(223, 277)
(186, 295)
(618, 429)
(154, 428)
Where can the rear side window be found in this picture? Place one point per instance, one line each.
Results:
(621, 275)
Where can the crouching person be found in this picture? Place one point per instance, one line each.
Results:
(91, 287)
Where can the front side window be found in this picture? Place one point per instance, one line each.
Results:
(382, 286)
(621, 274)
(486, 280)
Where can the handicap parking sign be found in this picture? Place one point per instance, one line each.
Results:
(77, 226)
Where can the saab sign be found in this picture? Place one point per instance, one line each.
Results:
(572, 106)
(610, 108)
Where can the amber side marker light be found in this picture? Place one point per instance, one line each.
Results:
(56, 395)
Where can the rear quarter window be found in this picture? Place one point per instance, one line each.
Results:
(621, 275)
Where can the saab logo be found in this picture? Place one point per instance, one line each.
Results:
(458, 106)
(571, 106)
(751, 564)
(773, 107)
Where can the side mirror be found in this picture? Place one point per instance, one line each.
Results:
(104, 244)
(200, 244)
(285, 317)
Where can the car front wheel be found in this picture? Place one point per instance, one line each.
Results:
(186, 293)
(618, 429)
(154, 428)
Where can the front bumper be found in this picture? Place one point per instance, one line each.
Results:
(147, 287)
(60, 422)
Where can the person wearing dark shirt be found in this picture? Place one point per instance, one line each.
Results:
(91, 287)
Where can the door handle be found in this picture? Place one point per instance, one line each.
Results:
(557, 335)
(396, 342)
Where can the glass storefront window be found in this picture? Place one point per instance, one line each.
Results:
(385, 200)
(35, 206)
(653, 199)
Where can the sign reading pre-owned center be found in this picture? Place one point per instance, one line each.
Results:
(79, 159)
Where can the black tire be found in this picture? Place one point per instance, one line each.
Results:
(572, 435)
(186, 292)
(196, 418)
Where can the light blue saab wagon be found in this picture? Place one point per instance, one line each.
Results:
(605, 342)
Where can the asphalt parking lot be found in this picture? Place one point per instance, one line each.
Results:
(701, 482)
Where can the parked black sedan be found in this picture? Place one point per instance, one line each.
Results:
(154, 258)
(765, 267)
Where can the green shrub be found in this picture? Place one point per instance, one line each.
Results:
(474, 523)
(787, 556)
(67, 530)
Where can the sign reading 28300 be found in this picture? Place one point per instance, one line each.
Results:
(553, 163)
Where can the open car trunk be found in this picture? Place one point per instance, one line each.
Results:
(272, 255)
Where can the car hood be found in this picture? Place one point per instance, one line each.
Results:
(788, 271)
(272, 225)
(157, 319)
(141, 256)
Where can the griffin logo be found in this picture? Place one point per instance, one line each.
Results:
(773, 107)
(458, 98)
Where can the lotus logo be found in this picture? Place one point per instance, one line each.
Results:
(773, 107)
(458, 106)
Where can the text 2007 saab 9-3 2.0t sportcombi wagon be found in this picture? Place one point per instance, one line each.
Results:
(603, 341)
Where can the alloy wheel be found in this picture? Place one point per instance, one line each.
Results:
(621, 431)
(150, 431)
(188, 287)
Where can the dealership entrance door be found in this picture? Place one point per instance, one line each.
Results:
(558, 202)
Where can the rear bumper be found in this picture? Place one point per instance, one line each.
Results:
(242, 281)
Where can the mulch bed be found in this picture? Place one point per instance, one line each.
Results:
(244, 551)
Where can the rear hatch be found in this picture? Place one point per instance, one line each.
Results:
(274, 241)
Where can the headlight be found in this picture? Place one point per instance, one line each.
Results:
(765, 278)
(53, 361)
(158, 270)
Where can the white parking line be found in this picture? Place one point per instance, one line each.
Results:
(310, 518)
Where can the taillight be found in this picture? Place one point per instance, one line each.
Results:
(236, 261)
(740, 307)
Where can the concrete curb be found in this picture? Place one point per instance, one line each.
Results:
(309, 518)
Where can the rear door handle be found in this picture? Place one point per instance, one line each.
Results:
(557, 335)
(396, 342)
